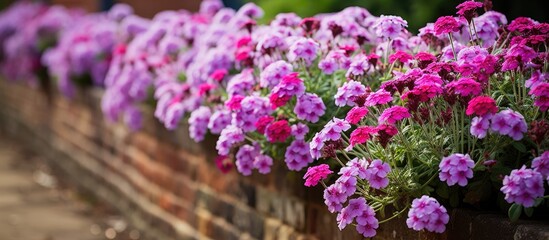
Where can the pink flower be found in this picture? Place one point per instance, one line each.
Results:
(467, 9)
(278, 101)
(218, 75)
(219, 120)
(424, 92)
(465, 87)
(223, 163)
(456, 168)
(393, 114)
(446, 24)
(334, 196)
(316, 174)
(378, 97)
(540, 92)
(290, 85)
(205, 88)
(361, 135)
(424, 59)
(384, 133)
(331, 132)
(401, 56)
(517, 56)
(278, 131)
(233, 103)
(481, 106)
(427, 213)
(262, 123)
(328, 66)
(356, 114)
(523, 186)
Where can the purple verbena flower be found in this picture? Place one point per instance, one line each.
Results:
(510, 123)
(309, 107)
(456, 168)
(347, 92)
(219, 120)
(367, 222)
(541, 164)
(273, 73)
(427, 213)
(377, 174)
(228, 137)
(245, 158)
(298, 155)
(198, 123)
(299, 131)
(263, 163)
(480, 126)
(523, 186)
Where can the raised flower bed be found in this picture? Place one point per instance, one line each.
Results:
(396, 127)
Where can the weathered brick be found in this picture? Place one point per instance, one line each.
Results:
(270, 203)
(294, 213)
(532, 231)
(492, 227)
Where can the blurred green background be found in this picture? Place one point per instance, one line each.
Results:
(416, 12)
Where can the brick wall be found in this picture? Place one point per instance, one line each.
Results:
(168, 186)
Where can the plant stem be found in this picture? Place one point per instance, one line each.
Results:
(394, 216)
(476, 33)
(452, 44)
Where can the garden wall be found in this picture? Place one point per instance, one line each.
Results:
(169, 187)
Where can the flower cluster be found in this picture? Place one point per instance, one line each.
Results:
(523, 186)
(426, 213)
(27, 31)
(398, 117)
(456, 168)
(84, 51)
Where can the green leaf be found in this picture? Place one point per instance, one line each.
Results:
(514, 212)
(538, 201)
(529, 211)
(519, 146)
